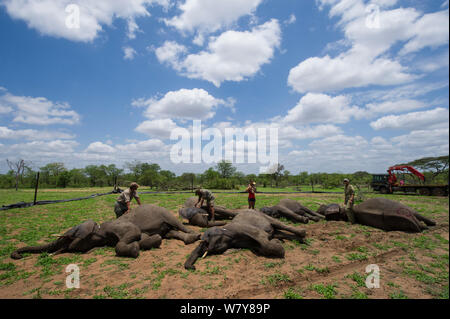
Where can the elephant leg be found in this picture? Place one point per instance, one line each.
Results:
(148, 242)
(127, 250)
(282, 235)
(312, 217)
(268, 248)
(309, 212)
(128, 245)
(289, 214)
(73, 244)
(276, 224)
(187, 238)
(59, 251)
(72, 247)
(52, 247)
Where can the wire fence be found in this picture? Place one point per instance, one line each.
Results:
(47, 202)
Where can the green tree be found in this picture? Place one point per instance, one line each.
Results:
(225, 169)
(188, 180)
(63, 179)
(50, 173)
(97, 175)
(436, 165)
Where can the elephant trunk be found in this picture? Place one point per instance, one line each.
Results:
(50, 248)
(198, 252)
(427, 221)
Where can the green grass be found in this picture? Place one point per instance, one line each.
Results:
(327, 292)
(292, 294)
(356, 256)
(358, 278)
(398, 295)
(276, 279)
(114, 292)
(117, 262)
(39, 224)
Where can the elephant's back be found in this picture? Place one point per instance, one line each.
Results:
(82, 231)
(385, 214)
(143, 214)
(254, 218)
(290, 204)
(190, 202)
(383, 206)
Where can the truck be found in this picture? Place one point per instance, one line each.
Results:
(389, 183)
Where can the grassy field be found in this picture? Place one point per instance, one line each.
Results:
(331, 265)
(10, 196)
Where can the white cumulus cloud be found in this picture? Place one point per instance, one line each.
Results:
(129, 53)
(232, 56)
(371, 58)
(49, 16)
(206, 16)
(321, 108)
(413, 121)
(39, 110)
(182, 104)
(159, 128)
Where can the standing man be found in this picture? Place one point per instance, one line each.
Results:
(123, 202)
(251, 190)
(349, 192)
(204, 194)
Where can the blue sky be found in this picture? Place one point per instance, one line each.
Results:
(349, 84)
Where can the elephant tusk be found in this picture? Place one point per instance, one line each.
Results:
(204, 255)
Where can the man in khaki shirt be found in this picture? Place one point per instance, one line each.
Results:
(123, 202)
(204, 194)
(349, 192)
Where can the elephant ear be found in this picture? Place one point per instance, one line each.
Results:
(82, 231)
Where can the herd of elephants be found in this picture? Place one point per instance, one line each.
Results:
(261, 231)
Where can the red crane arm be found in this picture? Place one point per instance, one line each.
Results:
(402, 168)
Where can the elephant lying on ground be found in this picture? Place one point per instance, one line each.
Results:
(380, 213)
(199, 216)
(249, 229)
(142, 229)
(293, 211)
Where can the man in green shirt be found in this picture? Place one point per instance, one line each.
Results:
(123, 202)
(349, 192)
(204, 194)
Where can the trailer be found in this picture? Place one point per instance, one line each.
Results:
(389, 183)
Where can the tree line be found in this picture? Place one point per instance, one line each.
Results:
(223, 176)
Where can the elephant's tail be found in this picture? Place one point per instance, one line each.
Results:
(50, 248)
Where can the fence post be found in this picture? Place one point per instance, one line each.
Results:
(36, 188)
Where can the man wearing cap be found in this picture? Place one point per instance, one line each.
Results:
(204, 194)
(123, 202)
(349, 192)
(251, 190)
